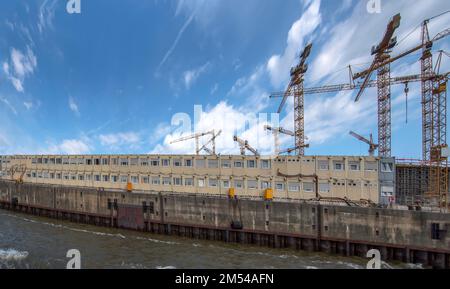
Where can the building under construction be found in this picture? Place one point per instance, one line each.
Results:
(337, 204)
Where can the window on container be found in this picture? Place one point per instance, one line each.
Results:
(338, 166)
(370, 166)
(97, 178)
(354, 166)
(200, 164)
(65, 161)
(225, 184)
(58, 161)
(88, 177)
(80, 161)
(213, 164)
(34, 161)
(58, 176)
(265, 164)
(124, 162)
(73, 177)
(114, 178)
(201, 182)
(33, 174)
(144, 180)
(213, 182)
(279, 186)
(226, 164)
(252, 184)
(188, 163)
(189, 182)
(134, 161)
(435, 231)
(73, 161)
(81, 177)
(239, 184)
(177, 163)
(105, 162)
(324, 165)
(144, 162)
(156, 181)
(294, 186)
(97, 162)
(177, 181)
(154, 162)
(123, 179)
(45, 160)
(165, 162)
(251, 164)
(66, 176)
(52, 175)
(308, 187)
(166, 181)
(114, 161)
(266, 185)
(324, 187)
(52, 161)
(88, 162)
(386, 167)
(105, 178)
(46, 175)
(134, 179)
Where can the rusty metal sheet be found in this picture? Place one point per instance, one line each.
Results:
(130, 217)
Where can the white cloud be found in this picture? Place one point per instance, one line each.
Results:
(46, 15)
(9, 24)
(28, 105)
(175, 43)
(231, 121)
(8, 104)
(214, 88)
(116, 140)
(22, 64)
(278, 65)
(73, 106)
(190, 76)
(71, 147)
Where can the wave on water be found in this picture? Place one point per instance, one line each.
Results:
(156, 240)
(166, 267)
(90, 232)
(12, 255)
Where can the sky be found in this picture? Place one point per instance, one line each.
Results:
(126, 77)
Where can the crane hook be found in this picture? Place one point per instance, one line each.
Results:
(406, 100)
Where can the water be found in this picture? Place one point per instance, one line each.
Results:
(34, 242)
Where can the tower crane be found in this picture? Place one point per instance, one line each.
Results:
(372, 146)
(427, 77)
(243, 145)
(276, 132)
(434, 114)
(295, 88)
(381, 55)
(212, 140)
(197, 137)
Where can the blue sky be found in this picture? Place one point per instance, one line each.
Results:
(113, 78)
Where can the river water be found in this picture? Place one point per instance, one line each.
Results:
(41, 243)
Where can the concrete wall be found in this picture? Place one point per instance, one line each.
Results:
(384, 227)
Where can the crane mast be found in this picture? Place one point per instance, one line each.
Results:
(276, 132)
(295, 89)
(372, 146)
(197, 137)
(244, 145)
